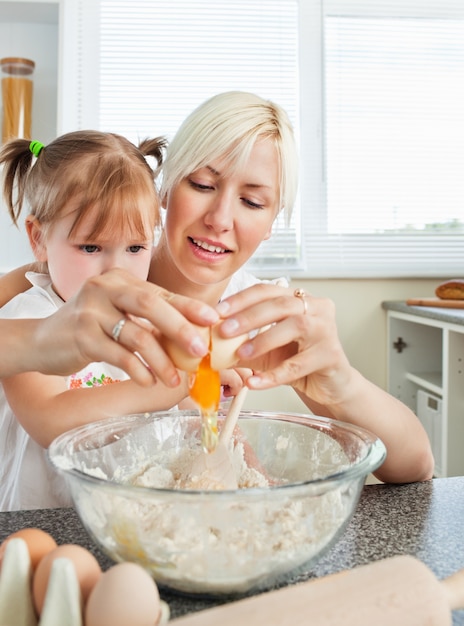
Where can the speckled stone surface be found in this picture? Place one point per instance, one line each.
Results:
(425, 520)
(452, 316)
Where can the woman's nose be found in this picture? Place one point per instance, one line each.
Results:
(220, 214)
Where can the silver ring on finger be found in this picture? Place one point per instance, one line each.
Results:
(301, 294)
(117, 329)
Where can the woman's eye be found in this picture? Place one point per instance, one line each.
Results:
(253, 205)
(199, 186)
(89, 249)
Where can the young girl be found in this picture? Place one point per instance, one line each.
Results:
(93, 207)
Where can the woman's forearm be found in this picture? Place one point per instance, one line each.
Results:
(409, 455)
(17, 341)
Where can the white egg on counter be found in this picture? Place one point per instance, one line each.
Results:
(124, 595)
(87, 569)
(38, 541)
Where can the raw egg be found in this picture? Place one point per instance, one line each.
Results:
(205, 391)
(39, 543)
(223, 351)
(87, 568)
(124, 595)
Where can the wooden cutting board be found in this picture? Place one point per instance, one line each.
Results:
(436, 302)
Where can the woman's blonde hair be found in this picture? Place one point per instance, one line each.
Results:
(228, 125)
(89, 168)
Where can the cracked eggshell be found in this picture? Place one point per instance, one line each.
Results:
(223, 350)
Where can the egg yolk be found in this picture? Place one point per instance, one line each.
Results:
(205, 391)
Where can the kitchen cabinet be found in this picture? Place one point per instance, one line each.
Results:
(425, 370)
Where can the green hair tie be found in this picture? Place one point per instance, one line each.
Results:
(36, 147)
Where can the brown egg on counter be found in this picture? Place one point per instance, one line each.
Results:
(39, 543)
(223, 350)
(124, 595)
(87, 569)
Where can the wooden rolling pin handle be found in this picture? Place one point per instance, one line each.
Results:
(454, 589)
(400, 591)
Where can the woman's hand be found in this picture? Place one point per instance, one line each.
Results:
(81, 330)
(302, 349)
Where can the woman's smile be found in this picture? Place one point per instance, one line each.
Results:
(203, 248)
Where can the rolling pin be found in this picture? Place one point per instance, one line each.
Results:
(399, 591)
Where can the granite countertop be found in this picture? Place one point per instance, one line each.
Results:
(425, 520)
(452, 316)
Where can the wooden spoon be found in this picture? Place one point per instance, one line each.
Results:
(215, 470)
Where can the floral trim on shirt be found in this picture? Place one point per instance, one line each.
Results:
(90, 380)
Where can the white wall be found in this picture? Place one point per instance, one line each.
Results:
(362, 329)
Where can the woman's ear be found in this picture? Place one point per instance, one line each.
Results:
(268, 234)
(35, 233)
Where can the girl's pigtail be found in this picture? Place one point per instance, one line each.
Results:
(16, 156)
(155, 148)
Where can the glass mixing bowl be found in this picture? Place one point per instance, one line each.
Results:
(122, 475)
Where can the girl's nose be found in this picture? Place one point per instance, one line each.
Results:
(113, 259)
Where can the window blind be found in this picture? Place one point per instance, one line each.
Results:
(393, 146)
(159, 60)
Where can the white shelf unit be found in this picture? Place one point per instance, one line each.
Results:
(425, 352)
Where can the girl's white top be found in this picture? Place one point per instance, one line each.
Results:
(27, 478)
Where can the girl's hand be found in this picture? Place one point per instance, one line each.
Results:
(232, 380)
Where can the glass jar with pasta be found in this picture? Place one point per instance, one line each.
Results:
(17, 87)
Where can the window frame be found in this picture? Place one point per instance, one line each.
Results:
(322, 256)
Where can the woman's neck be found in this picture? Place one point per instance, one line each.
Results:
(165, 273)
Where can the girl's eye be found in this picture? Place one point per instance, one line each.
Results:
(89, 248)
(135, 249)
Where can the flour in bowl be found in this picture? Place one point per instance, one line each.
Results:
(171, 470)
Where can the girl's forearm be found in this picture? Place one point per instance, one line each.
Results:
(51, 416)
